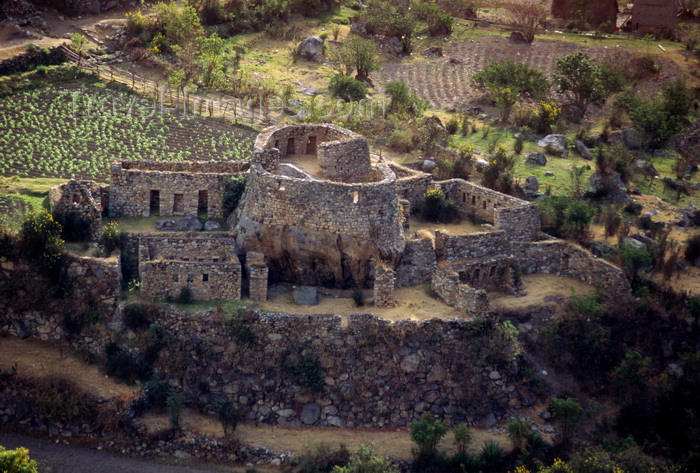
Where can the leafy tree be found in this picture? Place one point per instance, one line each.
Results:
(528, 17)
(357, 54)
(497, 174)
(580, 75)
(426, 433)
(630, 376)
(568, 413)
(78, 42)
(365, 460)
(393, 20)
(508, 81)
(347, 88)
(17, 461)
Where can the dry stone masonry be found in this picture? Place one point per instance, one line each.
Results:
(207, 265)
(145, 188)
(83, 198)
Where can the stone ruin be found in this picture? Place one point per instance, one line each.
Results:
(326, 229)
(341, 222)
(206, 264)
(81, 198)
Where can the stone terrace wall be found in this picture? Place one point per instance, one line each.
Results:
(98, 278)
(374, 373)
(279, 137)
(369, 210)
(179, 186)
(417, 262)
(519, 218)
(566, 259)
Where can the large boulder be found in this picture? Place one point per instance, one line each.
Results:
(536, 158)
(555, 144)
(186, 224)
(631, 138)
(305, 295)
(583, 150)
(311, 49)
(531, 186)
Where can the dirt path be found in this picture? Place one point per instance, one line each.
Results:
(34, 358)
(59, 458)
(394, 443)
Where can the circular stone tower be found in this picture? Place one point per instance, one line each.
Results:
(317, 208)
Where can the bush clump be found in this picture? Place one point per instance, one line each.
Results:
(233, 192)
(347, 88)
(437, 208)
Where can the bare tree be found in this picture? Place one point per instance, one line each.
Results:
(528, 17)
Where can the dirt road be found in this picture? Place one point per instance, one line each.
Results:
(68, 459)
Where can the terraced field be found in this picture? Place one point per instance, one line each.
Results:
(445, 82)
(76, 131)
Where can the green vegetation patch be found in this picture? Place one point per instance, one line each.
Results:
(73, 131)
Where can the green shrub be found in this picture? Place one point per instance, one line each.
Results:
(304, 369)
(427, 432)
(518, 145)
(568, 413)
(492, 454)
(358, 297)
(123, 365)
(40, 240)
(365, 460)
(17, 461)
(137, 316)
(229, 415)
(233, 192)
(347, 88)
(401, 100)
(519, 430)
(323, 458)
(635, 260)
(452, 126)
(433, 203)
(175, 404)
(400, 140)
(463, 437)
(236, 327)
(112, 237)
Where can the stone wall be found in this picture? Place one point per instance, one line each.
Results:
(447, 284)
(346, 161)
(144, 188)
(83, 198)
(566, 259)
(518, 218)
(207, 281)
(368, 210)
(411, 185)
(207, 265)
(417, 262)
(99, 279)
(471, 246)
(384, 282)
(257, 276)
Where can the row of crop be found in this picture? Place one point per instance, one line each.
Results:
(65, 133)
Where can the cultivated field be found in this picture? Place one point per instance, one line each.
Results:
(76, 131)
